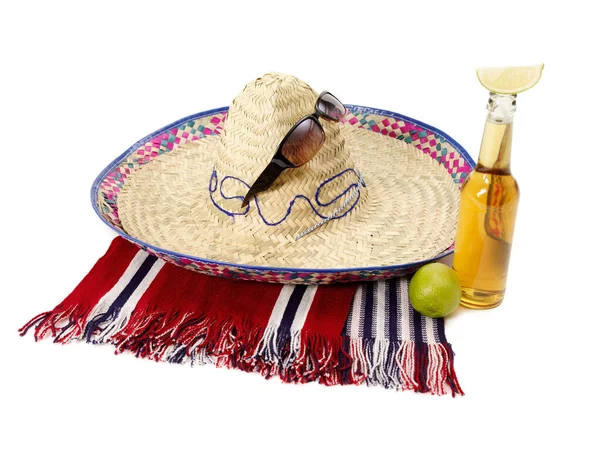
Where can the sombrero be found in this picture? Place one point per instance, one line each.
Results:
(378, 200)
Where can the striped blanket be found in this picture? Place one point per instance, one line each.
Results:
(332, 334)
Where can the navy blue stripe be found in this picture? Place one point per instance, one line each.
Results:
(115, 308)
(419, 322)
(369, 301)
(441, 332)
(132, 285)
(411, 321)
(291, 309)
(178, 356)
(393, 311)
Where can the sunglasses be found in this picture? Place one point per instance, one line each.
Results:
(300, 144)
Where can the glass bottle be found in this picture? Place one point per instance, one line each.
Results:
(487, 213)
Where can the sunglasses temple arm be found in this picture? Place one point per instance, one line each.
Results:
(264, 180)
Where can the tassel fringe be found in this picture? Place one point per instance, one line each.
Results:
(298, 358)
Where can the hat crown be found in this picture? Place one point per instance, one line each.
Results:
(260, 117)
(257, 121)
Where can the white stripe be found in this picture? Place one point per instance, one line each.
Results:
(381, 345)
(119, 323)
(436, 332)
(281, 304)
(356, 308)
(269, 337)
(303, 308)
(380, 310)
(109, 298)
(398, 312)
(429, 327)
(405, 308)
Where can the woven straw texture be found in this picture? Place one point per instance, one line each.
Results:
(189, 199)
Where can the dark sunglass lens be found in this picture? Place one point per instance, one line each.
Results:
(303, 142)
(331, 107)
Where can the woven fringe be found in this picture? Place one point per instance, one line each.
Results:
(409, 365)
(299, 358)
(64, 323)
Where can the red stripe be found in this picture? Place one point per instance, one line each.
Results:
(329, 309)
(105, 273)
(180, 290)
(182, 307)
(245, 299)
(321, 354)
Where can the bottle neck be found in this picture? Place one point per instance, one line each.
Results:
(494, 155)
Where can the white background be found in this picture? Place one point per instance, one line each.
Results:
(80, 83)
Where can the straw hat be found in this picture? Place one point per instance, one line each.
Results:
(365, 201)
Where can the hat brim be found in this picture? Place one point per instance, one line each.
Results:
(445, 154)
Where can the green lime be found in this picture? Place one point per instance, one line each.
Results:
(434, 290)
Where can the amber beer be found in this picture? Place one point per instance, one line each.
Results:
(488, 209)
